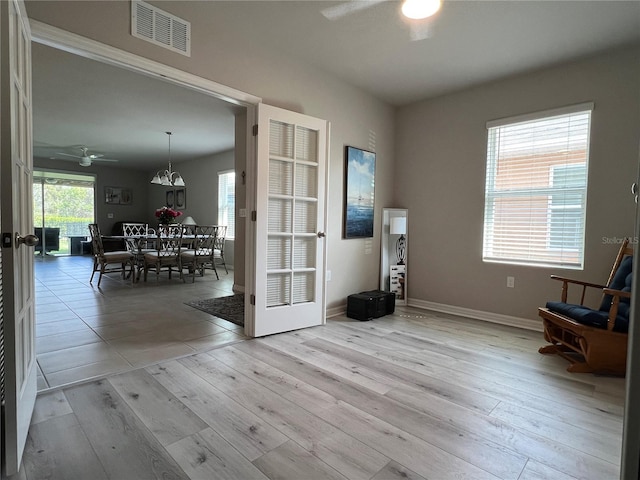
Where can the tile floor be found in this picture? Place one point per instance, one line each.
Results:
(83, 331)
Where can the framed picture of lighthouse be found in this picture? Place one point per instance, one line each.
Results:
(360, 173)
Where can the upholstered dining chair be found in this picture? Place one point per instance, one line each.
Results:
(107, 262)
(201, 253)
(166, 255)
(218, 251)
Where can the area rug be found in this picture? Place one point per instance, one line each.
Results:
(230, 308)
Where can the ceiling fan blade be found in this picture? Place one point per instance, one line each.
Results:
(67, 155)
(347, 8)
(105, 160)
(95, 156)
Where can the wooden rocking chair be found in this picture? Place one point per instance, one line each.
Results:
(592, 340)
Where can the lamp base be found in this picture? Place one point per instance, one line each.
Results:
(401, 249)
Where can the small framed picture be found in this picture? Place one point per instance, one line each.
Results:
(170, 199)
(181, 198)
(117, 195)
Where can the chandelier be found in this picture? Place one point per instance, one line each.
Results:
(166, 177)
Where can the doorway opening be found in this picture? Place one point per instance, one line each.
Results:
(74, 315)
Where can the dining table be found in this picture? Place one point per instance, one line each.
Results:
(141, 243)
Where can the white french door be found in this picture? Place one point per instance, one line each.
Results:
(290, 221)
(16, 174)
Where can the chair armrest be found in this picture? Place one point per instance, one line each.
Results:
(577, 282)
(616, 293)
(567, 281)
(615, 301)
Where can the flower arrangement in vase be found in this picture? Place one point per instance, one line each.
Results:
(167, 215)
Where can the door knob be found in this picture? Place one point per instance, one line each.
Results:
(634, 188)
(28, 240)
(320, 234)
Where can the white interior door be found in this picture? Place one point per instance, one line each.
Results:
(290, 221)
(16, 215)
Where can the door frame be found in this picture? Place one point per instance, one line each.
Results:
(78, 45)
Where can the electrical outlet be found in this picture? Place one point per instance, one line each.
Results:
(511, 282)
(328, 276)
(109, 215)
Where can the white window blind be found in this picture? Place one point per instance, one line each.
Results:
(227, 201)
(536, 187)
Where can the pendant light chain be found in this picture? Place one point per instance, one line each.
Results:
(166, 177)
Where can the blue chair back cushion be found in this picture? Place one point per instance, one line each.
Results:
(621, 281)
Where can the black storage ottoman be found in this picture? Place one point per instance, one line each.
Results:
(371, 304)
(383, 297)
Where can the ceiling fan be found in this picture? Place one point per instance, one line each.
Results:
(415, 13)
(86, 158)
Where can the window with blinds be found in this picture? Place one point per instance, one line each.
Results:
(536, 188)
(227, 201)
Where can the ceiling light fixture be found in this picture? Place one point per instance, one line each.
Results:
(166, 177)
(419, 9)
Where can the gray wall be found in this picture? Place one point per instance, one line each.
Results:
(441, 155)
(218, 55)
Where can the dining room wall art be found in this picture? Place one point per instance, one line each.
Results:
(170, 199)
(118, 196)
(180, 198)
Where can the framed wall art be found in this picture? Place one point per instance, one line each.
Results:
(360, 172)
(181, 198)
(169, 199)
(118, 196)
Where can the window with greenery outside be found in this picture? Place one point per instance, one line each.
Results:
(64, 203)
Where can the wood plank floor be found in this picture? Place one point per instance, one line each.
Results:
(415, 395)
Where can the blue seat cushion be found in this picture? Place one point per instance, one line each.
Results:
(594, 318)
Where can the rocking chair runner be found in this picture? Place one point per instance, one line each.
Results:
(592, 340)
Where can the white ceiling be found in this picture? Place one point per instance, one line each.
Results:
(81, 102)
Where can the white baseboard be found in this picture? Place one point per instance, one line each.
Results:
(336, 311)
(525, 323)
(509, 320)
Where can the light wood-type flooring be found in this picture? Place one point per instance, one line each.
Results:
(83, 331)
(414, 395)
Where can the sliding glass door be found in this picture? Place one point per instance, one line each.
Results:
(63, 207)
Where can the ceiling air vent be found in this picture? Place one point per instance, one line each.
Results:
(159, 27)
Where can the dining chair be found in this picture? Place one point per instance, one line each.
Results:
(218, 250)
(138, 243)
(107, 262)
(201, 253)
(166, 255)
